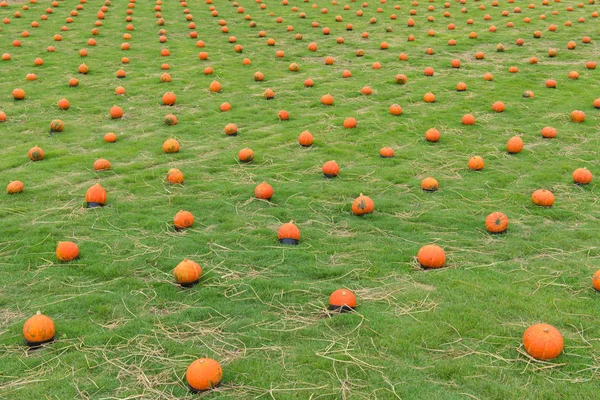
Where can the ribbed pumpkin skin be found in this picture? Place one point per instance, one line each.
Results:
(431, 256)
(496, 222)
(362, 205)
(543, 341)
(38, 329)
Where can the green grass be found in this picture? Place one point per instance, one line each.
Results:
(125, 330)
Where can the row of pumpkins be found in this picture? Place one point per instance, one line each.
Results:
(541, 341)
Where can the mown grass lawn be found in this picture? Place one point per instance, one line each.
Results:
(124, 329)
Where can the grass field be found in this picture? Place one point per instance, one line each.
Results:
(125, 330)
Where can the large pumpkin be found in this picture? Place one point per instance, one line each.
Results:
(543, 341)
(183, 220)
(431, 256)
(289, 234)
(305, 139)
(342, 300)
(496, 222)
(362, 205)
(95, 196)
(204, 374)
(38, 329)
(67, 251)
(187, 272)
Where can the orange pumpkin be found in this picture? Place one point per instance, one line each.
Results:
(110, 137)
(289, 234)
(224, 107)
(14, 187)
(514, 145)
(431, 256)
(596, 280)
(429, 97)
(582, 176)
(283, 115)
(170, 120)
(496, 222)
(101, 165)
(548, 132)
(215, 87)
(57, 125)
(73, 82)
(171, 146)
(342, 300)
(543, 197)
(305, 139)
(543, 341)
(386, 152)
(429, 184)
(36, 154)
(362, 205)
(461, 87)
(18, 94)
(169, 98)
(116, 112)
(204, 374)
(83, 69)
(67, 251)
(577, 116)
(476, 163)
(327, 99)
(63, 104)
(187, 272)
(350, 123)
(95, 196)
(258, 76)
(183, 220)
(263, 191)
(39, 329)
(174, 176)
(468, 119)
(230, 129)
(269, 94)
(330, 169)
(395, 109)
(498, 107)
(432, 135)
(246, 155)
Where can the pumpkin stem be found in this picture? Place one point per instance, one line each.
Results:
(38, 312)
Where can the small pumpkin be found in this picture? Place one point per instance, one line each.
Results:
(498, 107)
(67, 251)
(269, 94)
(305, 139)
(170, 120)
(327, 99)
(224, 107)
(116, 112)
(431, 256)
(258, 76)
(548, 132)
(386, 152)
(39, 329)
(14, 187)
(169, 98)
(36, 154)
(289, 234)
(342, 300)
(429, 184)
(95, 196)
(110, 137)
(543, 197)
(171, 146)
(263, 191)
(429, 97)
(432, 135)
(514, 145)
(395, 109)
(83, 69)
(528, 94)
(174, 176)
(476, 163)
(187, 273)
(468, 119)
(246, 155)
(63, 104)
(350, 123)
(582, 176)
(330, 169)
(183, 220)
(231, 130)
(577, 116)
(543, 341)
(283, 115)
(596, 280)
(496, 222)
(101, 165)
(57, 125)
(215, 87)
(73, 82)
(204, 374)
(461, 87)
(362, 205)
